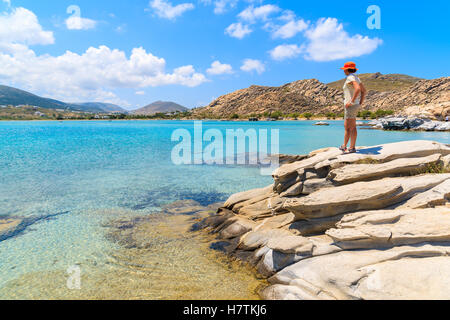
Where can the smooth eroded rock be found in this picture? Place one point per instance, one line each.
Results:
(246, 195)
(386, 228)
(287, 170)
(363, 172)
(388, 152)
(313, 226)
(291, 244)
(406, 272)
(264, 208)
(359, 196)
(438, 196)
(256, 239)
(309, 186)
(294, 190)
(236, 228)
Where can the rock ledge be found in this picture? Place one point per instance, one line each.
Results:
(370, 225)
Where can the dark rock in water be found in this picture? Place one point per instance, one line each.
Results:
(197, 227)
(160, 198)
(187, 207)
(13, 226)
(220, 246)
(395, 124)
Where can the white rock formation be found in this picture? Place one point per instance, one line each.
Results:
(370, 225)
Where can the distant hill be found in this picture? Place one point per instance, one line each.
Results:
(160, 107)
(381, 83)
(100, 107)
(16, 97)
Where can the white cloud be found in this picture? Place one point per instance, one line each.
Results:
(221, 6)
(285, 51)
(218, 68)
(75, 77)
(329, 41)
(238, 30)
(165, 9)
(140, 93)
(8, 2)
(252, 14)
(288, 15)
(22, 26)
(92, 73)
(72, 76)
(290, 29)
(251, 65)
(79, 23)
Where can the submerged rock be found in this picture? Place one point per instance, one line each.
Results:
(13, 226)
(7, 227)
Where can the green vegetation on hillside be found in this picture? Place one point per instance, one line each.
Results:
(374, 115)
(36, 113)
(278, 115)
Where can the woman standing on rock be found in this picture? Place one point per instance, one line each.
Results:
(354, 95)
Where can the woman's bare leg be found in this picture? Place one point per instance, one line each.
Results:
(348, 132)
(353, 133)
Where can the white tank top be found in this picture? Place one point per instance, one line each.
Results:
(349, 90)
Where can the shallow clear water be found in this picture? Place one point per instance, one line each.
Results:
(70, 178)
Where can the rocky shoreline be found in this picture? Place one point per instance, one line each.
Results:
(370, 225)
(409, 123)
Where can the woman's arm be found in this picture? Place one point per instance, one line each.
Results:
(363, 93)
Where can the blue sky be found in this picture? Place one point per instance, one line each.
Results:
(192, 51)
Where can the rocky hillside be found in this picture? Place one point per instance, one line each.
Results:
(318, 98)
(425, 96)
(370, 225)
(300, 96)
(381, 83)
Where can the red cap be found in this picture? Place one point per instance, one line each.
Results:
(349, 65)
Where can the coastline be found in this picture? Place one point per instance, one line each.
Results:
(304, 245)
(385, 124)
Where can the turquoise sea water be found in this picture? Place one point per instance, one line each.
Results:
(68, 178)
